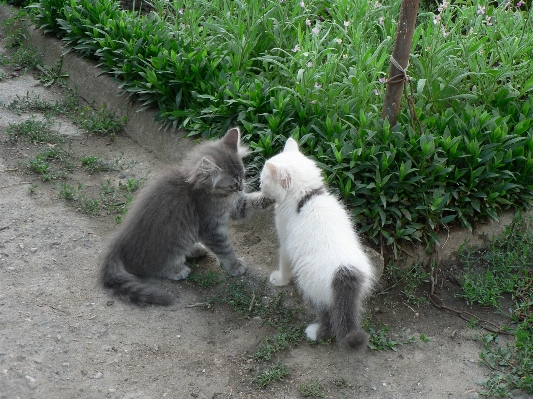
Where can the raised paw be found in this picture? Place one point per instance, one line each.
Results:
(312, 330)
(278, 280)
(236, 268)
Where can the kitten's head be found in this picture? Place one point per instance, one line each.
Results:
(289, 173)
(216, 166)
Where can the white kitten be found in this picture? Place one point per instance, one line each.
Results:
(318, 246)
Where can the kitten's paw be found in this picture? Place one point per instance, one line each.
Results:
(277, 279)
(312, 331)
(197, 251)
(236, 269)
(181, 275)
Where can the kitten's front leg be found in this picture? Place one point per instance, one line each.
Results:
(246, 203)
(282, 276)
(218, 242)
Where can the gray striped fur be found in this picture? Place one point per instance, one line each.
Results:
(188, 204)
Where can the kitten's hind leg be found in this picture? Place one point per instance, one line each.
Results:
(175, 269)
(197, 251)
(282, 276)
(322, 329)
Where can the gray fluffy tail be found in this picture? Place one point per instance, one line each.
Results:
(347, 309)
(125, 284)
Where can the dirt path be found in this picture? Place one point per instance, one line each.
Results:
(62, 335)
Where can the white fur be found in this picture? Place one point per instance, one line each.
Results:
(312, 330)
(320, 239)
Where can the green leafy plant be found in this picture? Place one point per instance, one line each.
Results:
(69, 192)
(317, 73)
(50, 75)
(93, 164)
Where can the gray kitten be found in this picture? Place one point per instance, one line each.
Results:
(186, 207)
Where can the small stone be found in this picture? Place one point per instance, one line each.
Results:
(98, 376)
(373, 387)
(110, 303)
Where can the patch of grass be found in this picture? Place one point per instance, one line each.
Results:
(410, 280)
(247, 302)
(90, 206)
(270, 374)
(505, 268)
(205, 279)
(287, 336)
(26, 57)
(312, 389)
(34, 131)
(380, 339)
(33, 188)
(102, 121)
(93, 164)
(68, 191)
(512, 365)
(33, 103)
(342, 383)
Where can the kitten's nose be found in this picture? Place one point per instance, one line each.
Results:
(241, 186)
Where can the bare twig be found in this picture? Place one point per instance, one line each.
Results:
(197, 305)
(251, 302)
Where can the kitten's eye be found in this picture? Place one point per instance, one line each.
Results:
(233, 187)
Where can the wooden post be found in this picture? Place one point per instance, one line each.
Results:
(400, 53)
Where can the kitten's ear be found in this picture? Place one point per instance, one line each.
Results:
(281, 174)
(232, 138)
(206, 170)
(290, 145)
(272, 168)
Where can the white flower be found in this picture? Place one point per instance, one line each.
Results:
(296, 48)
(181, 11)
(480, 10)
(376, 92)
(346, 23)
(317, 86)
(338, 40)
(302, 4)
(306, 54)
(381, 21)
(308, 22)
(309, 64)
(315, 30)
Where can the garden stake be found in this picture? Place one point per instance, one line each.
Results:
(400, 56)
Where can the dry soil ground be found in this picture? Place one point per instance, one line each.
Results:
(63, 336)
